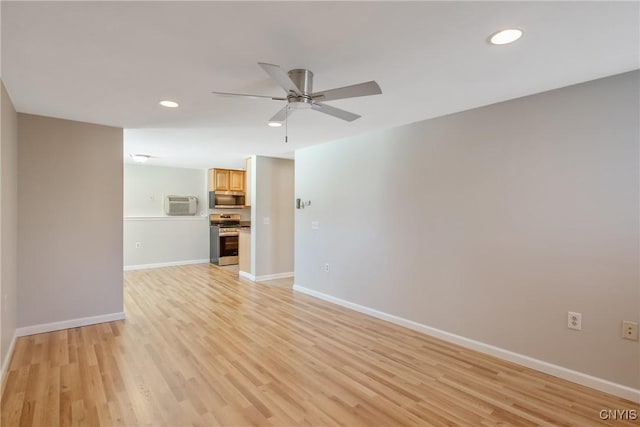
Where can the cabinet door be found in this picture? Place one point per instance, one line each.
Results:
(244, 251)
(236, 180)
(221, 179)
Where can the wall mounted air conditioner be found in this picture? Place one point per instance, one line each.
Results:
(180, 205)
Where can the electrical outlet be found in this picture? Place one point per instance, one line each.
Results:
(326, 267)
(574, 321)
(138, 245)
(630, 330)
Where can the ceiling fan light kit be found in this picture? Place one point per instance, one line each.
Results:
(298, 84)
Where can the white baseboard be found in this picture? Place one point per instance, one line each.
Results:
(247, 275)
(273, 276)
(165, 264)
(67, 324)
(265, 277)
(539, 365)
(7, 361)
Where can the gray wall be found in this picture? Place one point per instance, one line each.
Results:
(70, 228)
(272, 244)
(8, 223)
(490, 224)
(164, 240)
(146, 186)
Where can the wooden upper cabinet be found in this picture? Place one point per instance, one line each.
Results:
(226, 180)
(220, 179)
(236, 180)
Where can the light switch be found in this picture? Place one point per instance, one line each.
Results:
(267, 220)
(315, 225)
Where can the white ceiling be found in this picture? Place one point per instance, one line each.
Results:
(111, 62)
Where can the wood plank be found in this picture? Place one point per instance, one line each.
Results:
(201, 347)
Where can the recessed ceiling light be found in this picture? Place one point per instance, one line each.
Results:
(274, 124)
(169, 104)
(505, 36)
(140, 158)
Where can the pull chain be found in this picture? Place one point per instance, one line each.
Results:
(286, 124)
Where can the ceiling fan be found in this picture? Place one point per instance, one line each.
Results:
(298, 84)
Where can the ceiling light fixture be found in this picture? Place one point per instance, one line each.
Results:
(169, 104)
(274, 124)
(506, 36)
(140, 158)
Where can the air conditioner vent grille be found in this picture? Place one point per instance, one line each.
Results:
(180, 205)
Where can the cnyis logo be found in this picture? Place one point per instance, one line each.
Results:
(619, 414)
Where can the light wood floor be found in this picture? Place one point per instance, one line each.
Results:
(200, 347)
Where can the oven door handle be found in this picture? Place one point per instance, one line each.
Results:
(232, 234)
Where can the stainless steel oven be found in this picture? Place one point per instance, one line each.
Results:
(224, 239)
(228, 244)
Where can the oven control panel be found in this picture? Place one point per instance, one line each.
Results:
(226, 231)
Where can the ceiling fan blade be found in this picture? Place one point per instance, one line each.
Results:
(282, 115)
(360, 89)
(335, 112)
(248, 95)
(280, 76)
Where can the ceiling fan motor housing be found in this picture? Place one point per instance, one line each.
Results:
(303, 79)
